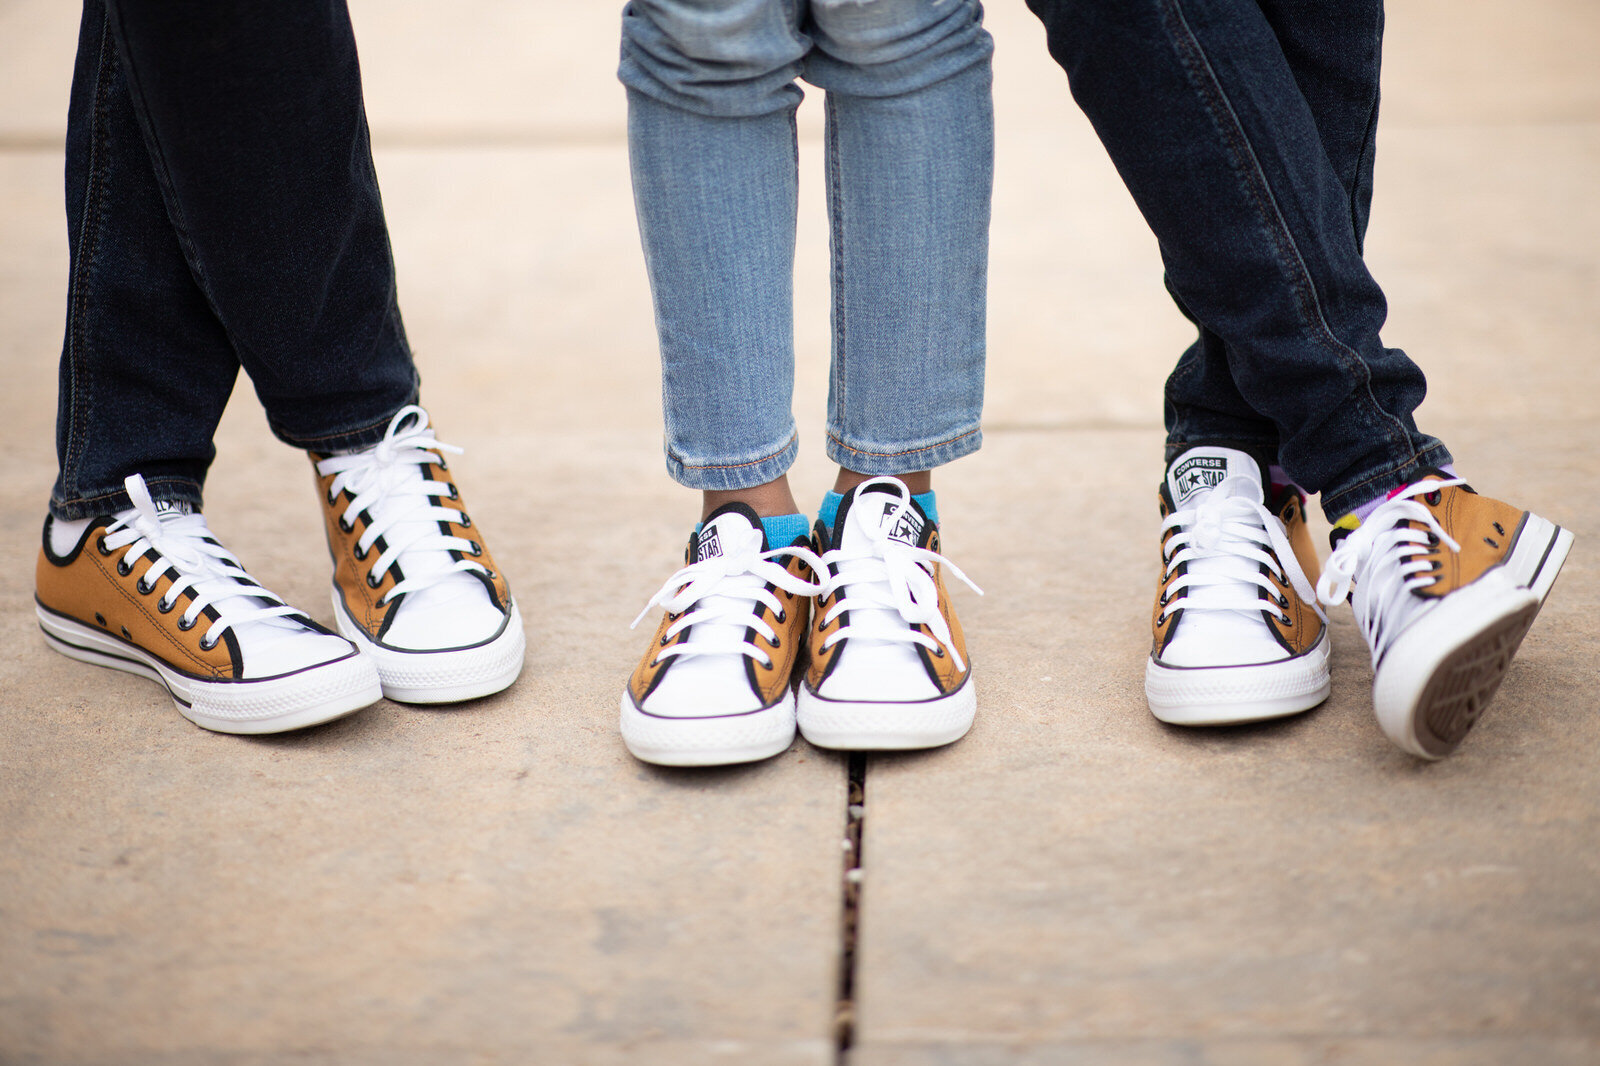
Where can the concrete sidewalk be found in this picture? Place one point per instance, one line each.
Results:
(1073, 883)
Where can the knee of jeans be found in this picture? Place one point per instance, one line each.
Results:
(924, 40)
(718, 57)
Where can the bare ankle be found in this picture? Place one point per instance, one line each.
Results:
(918, 482)
(768, 500)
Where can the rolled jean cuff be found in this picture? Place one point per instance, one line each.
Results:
(174, 489)
(1350, 492)
(366, 433)
(736, 474)
(864, 458)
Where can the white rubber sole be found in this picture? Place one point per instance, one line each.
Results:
(1231, 695)
(306, 697)
(711, 741)
(879, 726)
(448, 676)
(1438, 676)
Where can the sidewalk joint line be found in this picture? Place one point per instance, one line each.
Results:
(855, 815)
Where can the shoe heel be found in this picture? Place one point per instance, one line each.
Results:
(1538, 555)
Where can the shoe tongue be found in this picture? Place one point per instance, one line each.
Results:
(1201, 469)
(170, 509)
(725, 531)
(875, 508)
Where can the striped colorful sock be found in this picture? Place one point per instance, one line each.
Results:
(1359, 514)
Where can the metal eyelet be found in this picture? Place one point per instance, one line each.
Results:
(359, 552)
(466, 521)
(1281, 601)
(1286, 620)
(185, 624)
(144, 590)
(101, 545)
(938, 653)
(205, 645)
(165, 606)
(123, 568)
(455, 493)
(477, 549)
(333, 498)
(781, 616)
(1434, 498)
(344, 526)
(664, 641)
(374, 581)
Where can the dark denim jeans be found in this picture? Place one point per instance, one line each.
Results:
(1244, 130)
(222, 211)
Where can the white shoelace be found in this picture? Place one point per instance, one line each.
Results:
(1230, 530)
(720, 594)
(887, 575)
(385, 481)
(186, 550)
(1383, 556)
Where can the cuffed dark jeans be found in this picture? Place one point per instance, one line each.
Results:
(1244, 130)
(222, 211)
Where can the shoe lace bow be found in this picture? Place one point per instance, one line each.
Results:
(885, 574)
(186, 550)
(1386, 554)
(721, 593)
(384, 482)
(1230, 526)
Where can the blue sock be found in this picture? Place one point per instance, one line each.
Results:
(829, 511)
(784, 529)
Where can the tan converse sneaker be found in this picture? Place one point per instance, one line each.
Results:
(152, 592)
(715, 683)
(414, 587)
(888, 662)
(1238, 633)
(1447, 583)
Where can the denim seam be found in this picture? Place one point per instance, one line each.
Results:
(1204, 78)
(836, 267)
(790, 443)
(837, 440)
(88, 247)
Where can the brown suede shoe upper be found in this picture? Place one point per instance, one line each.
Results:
(93, 587)
(1293, 621)
(352, 568)
(768, 680)
(1486, 529)
(940, 664)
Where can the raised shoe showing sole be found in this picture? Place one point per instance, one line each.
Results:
(714, 684)
(1447, 584)
(1237, 633)
(414, 585)
(151, 592)
(888, 667)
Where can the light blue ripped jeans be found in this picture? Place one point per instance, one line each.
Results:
(910, 149)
